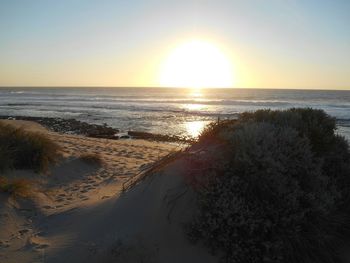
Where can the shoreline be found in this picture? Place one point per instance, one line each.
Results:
(76, 127)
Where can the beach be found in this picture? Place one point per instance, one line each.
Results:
(136, 196)
(73, 194)
(133, 200)
(175, 131)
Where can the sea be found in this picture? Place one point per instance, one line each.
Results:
(172, 111)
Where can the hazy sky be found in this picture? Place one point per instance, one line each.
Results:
(270, 43)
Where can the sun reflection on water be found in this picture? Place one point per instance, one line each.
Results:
(196, 93)
(194, 128)
(194, 106)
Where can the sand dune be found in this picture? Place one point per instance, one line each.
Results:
(78, 212)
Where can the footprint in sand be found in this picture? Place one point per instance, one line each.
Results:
(5, 215)
(92, 182)
(23, 231)
(38, 243)
(4, 244)
(41, 246)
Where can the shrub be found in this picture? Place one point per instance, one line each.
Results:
(272, 199)
(26, 150)
(319, 128)
(211, 131)
(16, 187)
(5, 158)
(314, 124)
(92, 158)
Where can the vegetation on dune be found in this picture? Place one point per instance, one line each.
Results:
(279, 191)
(92, 158)
(17, 187)
(21, 149)
(212, 130)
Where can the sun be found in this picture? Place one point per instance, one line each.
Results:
(196, 64)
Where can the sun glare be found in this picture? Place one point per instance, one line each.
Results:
(196, 64)
(194, 128)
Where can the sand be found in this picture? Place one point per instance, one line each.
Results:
(80, 213)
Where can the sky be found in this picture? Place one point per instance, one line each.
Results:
(269, 43)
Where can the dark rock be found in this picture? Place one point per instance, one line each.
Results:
(159, 137)
(71, 126)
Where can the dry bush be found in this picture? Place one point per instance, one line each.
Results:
(18, 187)
(21, 149)
(92, 158)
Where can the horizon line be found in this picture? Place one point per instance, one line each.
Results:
(158, 87)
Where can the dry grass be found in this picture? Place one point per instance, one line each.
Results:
(21, 149)
(18, 187)
(92, 158)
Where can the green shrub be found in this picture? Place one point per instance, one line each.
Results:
(314, 124)
(26, 150)
(211, 131)
(6, 161)
(275, 196)
(319, 128)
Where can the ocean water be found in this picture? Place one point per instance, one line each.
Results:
(166, 110)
